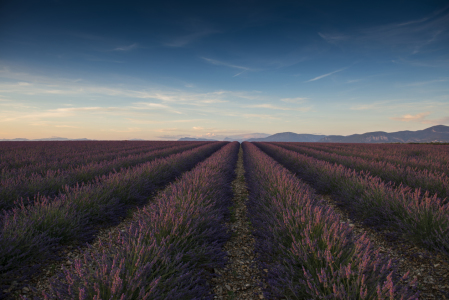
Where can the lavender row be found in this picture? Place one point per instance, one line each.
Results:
(24, 154)
(30, 233)
(166, 252)
(408, 212)
(33, 187)
(308, 252)
(435, 183)
(63, 160)
(438, 154)
(415, 156)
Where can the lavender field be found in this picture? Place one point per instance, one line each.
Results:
(223, 220)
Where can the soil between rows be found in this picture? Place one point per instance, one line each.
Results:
(240, 279)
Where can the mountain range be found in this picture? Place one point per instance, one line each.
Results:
(290, 137)
(195, 139)
(239, 138)
(439, 133)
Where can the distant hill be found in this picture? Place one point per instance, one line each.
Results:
(289, 137)
(245, 137)
(439, 133)
(194, 139)
(53, 138)
(14, 140)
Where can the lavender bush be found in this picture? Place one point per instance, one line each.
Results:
(166, 251)
(420, 156)
(53, 181)
(422, 218)
(28, 231)
(308, 251)
(434, 182)
(26, 158)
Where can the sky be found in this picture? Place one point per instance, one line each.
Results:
(114, 70)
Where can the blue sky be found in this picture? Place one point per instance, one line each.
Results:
(121, 70)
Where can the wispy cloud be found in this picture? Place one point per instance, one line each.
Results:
(433, 63)
(259, 116)
(412, 118)
(85, 109)
(414, 22)
(210, 101)
(271, 106)
(184, 40)
(353, 80)
(150, 105)
(367, 106)
(30, 84)
(333, 38)
(426, 82)
(66, 126)
(440, 121)
(221, 63)
(91, 37)
(238, 94)
(294, 100)
(422, 20)
(131, 129)
(240, 73)
(147, 105)
(167, 129)
(126, 48)
(422, 118)
(439, 103)
(409, 37)
(146, 121)
(325, 75)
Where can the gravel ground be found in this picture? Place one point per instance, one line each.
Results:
(241, 279)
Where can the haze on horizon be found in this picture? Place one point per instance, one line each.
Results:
(171, 69)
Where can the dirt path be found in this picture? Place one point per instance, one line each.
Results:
(240, 279)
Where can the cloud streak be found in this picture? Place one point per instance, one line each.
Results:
(333, 39)
(221, 63)
(426, 82)
(428, 33)
(271, 106)
(183, 41)
(66, 126)
(126, 48)
(326, 75)
(422, 118)
(294, 100)
(412, 118)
